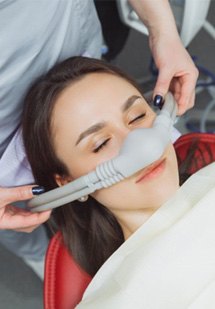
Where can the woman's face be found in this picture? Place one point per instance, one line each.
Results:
(91, 119)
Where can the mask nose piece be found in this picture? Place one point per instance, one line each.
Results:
(144, 146)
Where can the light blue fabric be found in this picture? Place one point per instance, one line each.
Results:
(34, 35)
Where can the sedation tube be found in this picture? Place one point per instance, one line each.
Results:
(141, 148)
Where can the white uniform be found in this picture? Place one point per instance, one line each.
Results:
(34, 35)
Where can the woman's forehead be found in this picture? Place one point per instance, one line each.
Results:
(96, 87)
(97, 97)
(93, 99)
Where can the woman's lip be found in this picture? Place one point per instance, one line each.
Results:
(152, 171)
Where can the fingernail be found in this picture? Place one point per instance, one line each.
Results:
(158, 100)
(38, 190)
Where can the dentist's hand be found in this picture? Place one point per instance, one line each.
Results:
(177, 72)
(14, 218)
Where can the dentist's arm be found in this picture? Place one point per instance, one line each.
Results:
(177, 71)
(14, 218)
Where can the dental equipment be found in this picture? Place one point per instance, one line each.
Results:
(141, 148)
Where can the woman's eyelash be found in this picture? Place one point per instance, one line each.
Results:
(107, 140)
(138, 117)
(101, 145)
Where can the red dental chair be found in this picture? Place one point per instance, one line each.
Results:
(65, 282)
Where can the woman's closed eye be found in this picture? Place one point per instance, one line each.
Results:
(141, 116)
(103, 144)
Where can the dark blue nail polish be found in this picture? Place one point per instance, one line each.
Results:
(158, 101)
(38, 190)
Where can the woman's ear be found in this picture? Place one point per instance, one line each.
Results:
(62, 180)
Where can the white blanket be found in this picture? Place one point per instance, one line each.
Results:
(169, 262)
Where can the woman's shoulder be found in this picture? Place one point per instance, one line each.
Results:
(208, 171)
(200, 183)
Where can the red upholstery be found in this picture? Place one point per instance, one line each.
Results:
(205, 149)
(64, 281)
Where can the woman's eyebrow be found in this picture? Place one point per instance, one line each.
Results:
(128, 103)
(99, 126)
(93, 129)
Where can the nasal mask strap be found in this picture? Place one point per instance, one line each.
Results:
(141, 148)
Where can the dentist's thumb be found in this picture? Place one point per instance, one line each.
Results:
(162, 86)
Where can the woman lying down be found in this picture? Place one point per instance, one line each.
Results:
(148, 242)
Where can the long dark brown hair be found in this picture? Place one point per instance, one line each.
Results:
(89, 229)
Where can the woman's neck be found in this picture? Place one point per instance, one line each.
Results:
(131, 220)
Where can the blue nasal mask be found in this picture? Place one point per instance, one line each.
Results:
(141, 148)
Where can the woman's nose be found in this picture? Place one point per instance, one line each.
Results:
(122, 134)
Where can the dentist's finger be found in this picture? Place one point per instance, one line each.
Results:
(10, 195)
(162, 86)
(187, 94)
(14, 218)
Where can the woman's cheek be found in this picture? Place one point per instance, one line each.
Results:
(116, 196)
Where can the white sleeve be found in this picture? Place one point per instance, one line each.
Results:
(14, 166)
